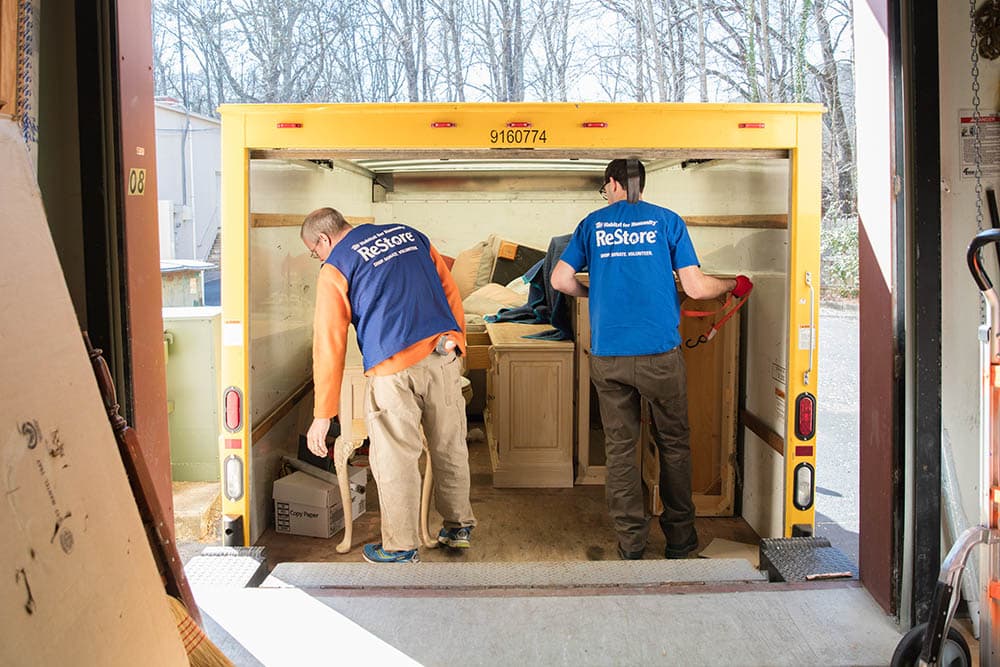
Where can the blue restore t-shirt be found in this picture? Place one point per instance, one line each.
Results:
(632, 251)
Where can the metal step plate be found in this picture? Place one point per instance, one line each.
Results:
(227, 567)
(804, 559)
(512, 575)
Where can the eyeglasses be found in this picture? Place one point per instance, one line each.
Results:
(312, 251)
(604, 190)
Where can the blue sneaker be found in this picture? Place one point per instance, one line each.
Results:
(456, 538)
(374, 553)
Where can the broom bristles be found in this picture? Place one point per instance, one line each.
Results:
(199, 648)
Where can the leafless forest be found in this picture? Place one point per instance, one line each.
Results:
(210, 52)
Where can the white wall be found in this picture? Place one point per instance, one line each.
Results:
(196, 220)
(959, 296)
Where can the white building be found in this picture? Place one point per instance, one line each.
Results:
(188, 163)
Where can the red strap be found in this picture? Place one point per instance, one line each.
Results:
(710, 334)
(706, 313)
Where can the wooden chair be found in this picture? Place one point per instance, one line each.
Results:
(343, 449)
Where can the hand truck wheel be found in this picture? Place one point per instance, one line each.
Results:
(954, 650)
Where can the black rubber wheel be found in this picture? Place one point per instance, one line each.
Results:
(954, 651)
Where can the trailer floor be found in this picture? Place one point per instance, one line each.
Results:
(515, 525)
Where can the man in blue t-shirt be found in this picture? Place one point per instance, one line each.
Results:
(632, 249)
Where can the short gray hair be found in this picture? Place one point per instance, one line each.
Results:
(326, 220)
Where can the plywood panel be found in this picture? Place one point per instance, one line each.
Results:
(81, 582)
(282, 439)
(712, 378)
(712, 371)
(282, 301)
(762, 487)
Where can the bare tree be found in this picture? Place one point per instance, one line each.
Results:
(210, 52)
(500, 42)
(451, 19)
(552, 66)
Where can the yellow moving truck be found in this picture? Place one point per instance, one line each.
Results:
(745, 177)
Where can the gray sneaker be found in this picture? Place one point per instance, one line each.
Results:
(456, 538)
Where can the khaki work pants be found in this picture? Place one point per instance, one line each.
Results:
(621, 383)
(428, 395)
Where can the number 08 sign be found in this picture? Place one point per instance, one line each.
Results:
(136, 181)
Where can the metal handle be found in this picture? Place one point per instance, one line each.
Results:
(812, 305)
(975, 262)
(984, 237)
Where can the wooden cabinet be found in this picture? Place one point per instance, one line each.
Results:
(712, 383)
(529, 407)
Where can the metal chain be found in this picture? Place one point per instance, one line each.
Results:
(977, 139)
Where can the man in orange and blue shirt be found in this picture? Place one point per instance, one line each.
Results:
(394, 287)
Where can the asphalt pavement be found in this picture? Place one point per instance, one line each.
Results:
(837, 430)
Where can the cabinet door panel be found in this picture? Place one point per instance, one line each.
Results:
(536, 397)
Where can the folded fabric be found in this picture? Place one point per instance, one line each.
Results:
(545, 304)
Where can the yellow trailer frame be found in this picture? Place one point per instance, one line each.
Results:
(521, 130)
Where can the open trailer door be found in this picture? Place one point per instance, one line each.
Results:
(266, 340)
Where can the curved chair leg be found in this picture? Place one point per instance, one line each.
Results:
(425, 505)
(430, 541)
(342, 450)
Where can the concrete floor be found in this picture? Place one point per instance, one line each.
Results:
(770, 624)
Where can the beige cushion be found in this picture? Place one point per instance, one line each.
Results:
(474, 266)
(465, 271)
(490, 298)
(487, 260)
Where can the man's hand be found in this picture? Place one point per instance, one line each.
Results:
(316, 437)
(743, 287)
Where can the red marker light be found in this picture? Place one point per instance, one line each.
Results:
(232, 400)
(805, 416)
(442, 124)
(751, 126)
(519, 123)
(284, 126)
(595, 124)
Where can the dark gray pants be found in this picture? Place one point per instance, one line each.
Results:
(621, 383)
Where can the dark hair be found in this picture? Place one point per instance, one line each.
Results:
(618, 170)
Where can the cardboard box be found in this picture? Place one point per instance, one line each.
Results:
(305, 505)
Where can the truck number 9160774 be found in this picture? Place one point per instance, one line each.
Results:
(520, 137)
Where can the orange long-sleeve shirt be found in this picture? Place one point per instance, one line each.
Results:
(330, 326)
